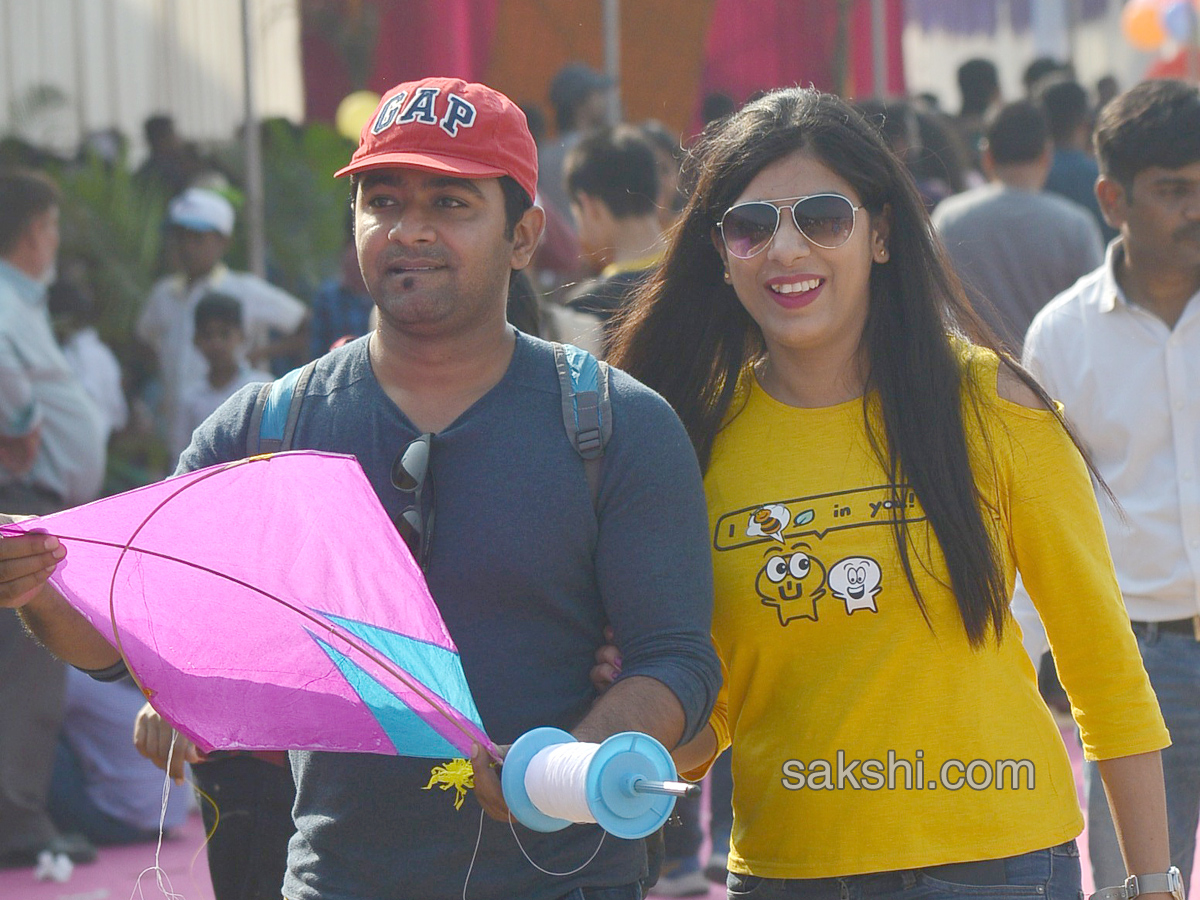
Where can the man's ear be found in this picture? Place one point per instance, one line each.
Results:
(1114, 201)
(586, 205)
(596, 218)
(987, 162)
(527, 235)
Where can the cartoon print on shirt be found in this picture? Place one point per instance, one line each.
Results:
(791, 582)
(855, 581)
(789, 531)
(769, 521)
(818, 516)
(773, 520)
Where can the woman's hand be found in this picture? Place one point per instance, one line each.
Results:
(608, 663)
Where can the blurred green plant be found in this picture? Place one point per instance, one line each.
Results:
(306, 211)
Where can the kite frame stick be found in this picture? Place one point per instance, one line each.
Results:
(434, 700)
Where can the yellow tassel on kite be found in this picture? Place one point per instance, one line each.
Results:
(456, 774)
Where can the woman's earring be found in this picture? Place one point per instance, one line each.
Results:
(728, 277)
(882, 255)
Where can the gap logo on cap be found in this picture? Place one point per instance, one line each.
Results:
(420, 110)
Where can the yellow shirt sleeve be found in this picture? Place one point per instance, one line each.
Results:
(1060, 548)
(718, 721)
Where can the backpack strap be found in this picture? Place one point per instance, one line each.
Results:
(586, 407)
(276, 411)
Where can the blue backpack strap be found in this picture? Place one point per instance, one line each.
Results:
(586, 407)
(276, 410)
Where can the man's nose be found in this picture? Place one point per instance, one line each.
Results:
(412, 228)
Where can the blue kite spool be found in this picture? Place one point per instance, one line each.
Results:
(512, 777)
(619, 764)
(613, 775)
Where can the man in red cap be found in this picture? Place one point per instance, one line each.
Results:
(527, 565)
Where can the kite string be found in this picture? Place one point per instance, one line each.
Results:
(512, 828)
(579, 868)
(474, 855)
(556, 781)
(161, 878)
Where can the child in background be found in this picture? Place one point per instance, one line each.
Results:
(74, 315)
(219, 337)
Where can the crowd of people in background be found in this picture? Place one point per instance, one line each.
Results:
(1010, 184)
(599, 238)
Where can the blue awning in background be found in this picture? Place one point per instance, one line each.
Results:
(983, 16)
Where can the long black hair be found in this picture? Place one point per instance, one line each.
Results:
(686, 335)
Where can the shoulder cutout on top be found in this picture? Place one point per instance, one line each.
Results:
(1010, 387)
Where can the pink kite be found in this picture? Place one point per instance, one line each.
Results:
(270, 604)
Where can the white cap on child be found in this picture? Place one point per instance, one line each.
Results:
(199, 209)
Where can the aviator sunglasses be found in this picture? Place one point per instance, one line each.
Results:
(410, 474)
(826, 220)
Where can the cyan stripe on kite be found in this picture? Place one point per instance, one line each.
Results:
(437, 668)
(408, 732)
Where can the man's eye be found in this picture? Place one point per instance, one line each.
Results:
(450, 202)
(1176, 192)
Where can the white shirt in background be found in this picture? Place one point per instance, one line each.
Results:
(38, 389)
(200, 400)
(1131, 391)
(97, 368)
(168, 325)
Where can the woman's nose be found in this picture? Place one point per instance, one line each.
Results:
(789, 241)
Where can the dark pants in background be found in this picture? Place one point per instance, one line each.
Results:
(32, 686)
(247, 856)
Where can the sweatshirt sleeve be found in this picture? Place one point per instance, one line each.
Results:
(653, 564)
(718, 720)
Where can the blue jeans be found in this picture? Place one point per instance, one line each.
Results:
(625, 892)
(74, 811)
(682, 839)
(1051, 874)
(720, 799)
(1172, 661)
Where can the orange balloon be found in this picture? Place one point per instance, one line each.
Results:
(1141, 21)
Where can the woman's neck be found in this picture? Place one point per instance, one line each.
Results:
(812, 379)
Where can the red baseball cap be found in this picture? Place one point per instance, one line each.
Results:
(448, 125)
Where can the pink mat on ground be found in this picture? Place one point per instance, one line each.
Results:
(113, 875)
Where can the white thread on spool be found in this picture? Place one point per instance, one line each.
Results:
(556, 781)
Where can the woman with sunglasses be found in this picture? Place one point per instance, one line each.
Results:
(875, 478)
